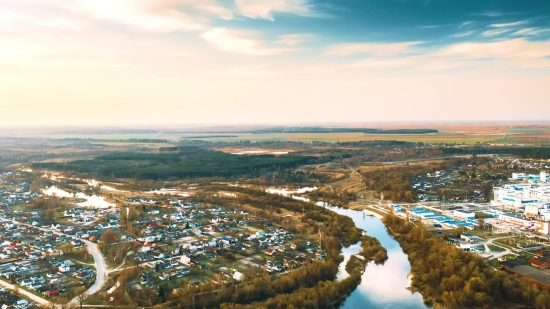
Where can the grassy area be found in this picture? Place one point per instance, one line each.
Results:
(495, 248)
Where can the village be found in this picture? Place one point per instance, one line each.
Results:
(174, 242)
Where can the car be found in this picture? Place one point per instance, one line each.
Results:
(174, 262)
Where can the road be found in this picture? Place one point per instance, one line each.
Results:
(28, 295)
(101, 270)
(99, 261)
(498, 254)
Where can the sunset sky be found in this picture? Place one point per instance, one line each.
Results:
(273, 61)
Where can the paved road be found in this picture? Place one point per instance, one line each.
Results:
(99, 260)
(101, 270)
(28, 295)
(498, 254)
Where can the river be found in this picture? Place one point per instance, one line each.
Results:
(382, 286)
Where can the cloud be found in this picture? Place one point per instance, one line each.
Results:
(490, 14)
(517, 23)
(495, 32)
(466, 23)
(152, 15)
(530, 31)
(264, 9)
(14, 21)
(524, 53)
(381, 63)
(295, 39)
(241, 42)
(259, 71)
(370, 48)
(462, 34)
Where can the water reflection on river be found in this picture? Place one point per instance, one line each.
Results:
(382, 286)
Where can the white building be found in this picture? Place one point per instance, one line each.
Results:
(463, 214)
(518, 194)
(517, 219)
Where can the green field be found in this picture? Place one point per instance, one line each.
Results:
(528, 131)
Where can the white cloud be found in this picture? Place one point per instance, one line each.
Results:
(462, 34)
(245, 72)
(518, 49)
(150, 15)
(530, 31)
(466, 23)
(370, 48)
(264, 8)
(381, 63)
(295, 39)
(490, 14)
(16, 21)
(241, 42)
(495, 32)
(517, 23)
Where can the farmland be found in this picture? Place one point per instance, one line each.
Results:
(499, 133)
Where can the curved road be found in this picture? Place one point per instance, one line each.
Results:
(99, 261)
(101, 270)
(499, 254)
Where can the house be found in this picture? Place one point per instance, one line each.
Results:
(237, 276)
(197, 231)
(146, 247)
(185, 259)
(64, 268)
(270, 251)
(540, 263)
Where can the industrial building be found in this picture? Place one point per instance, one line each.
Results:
(517, 195)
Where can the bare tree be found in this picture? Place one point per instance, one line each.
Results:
(81, 295)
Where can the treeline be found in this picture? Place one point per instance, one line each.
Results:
(256, 289)
(343, 130)
(290, 177)
(395, 183)
(445, 275)
(189, 162)
(342, 198)
(326, 294)
(524, 152)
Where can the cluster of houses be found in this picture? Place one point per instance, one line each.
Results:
(27, 253)
(15, 193)
(9, 300)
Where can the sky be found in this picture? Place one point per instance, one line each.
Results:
(111, 62)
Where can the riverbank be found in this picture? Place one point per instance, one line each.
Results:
(384, 284)
(452, 278)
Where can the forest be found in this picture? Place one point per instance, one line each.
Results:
(524, 152)
(445, 275)
(396, 182)
(343, 130)
(188, 162)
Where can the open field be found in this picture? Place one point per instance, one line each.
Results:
(132, 143)
(536, 139)
(448, 133)
(355, 137)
